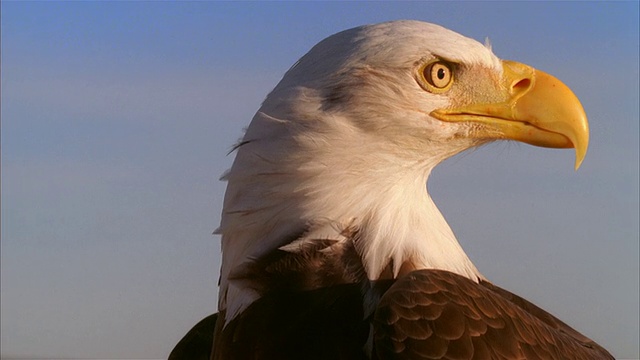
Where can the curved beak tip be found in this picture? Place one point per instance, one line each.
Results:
(581, 151)
(552, 106)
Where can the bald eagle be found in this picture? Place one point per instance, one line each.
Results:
(332, 247)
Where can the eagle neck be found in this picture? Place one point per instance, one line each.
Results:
(401, 228)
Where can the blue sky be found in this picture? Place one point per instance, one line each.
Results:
(117, 118)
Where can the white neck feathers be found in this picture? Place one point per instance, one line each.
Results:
(346, 140)
(286, 180)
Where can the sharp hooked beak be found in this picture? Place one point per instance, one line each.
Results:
(540, 110)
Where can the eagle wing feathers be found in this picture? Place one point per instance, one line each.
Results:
(435, 314)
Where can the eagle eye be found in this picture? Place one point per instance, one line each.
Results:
(436, 76)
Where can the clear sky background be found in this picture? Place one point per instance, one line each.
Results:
(117, 118)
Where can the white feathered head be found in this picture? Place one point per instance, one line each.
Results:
(349, 136)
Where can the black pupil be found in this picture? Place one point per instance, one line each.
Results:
(440, 74)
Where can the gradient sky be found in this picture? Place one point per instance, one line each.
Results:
(117, 118)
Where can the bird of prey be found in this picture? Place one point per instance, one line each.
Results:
(332, 247)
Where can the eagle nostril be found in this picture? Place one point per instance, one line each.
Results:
(521, 85)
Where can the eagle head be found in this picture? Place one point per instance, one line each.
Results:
(347, 139)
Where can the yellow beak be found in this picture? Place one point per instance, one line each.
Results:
(540, 110)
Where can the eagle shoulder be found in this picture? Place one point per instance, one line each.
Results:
(435, 314)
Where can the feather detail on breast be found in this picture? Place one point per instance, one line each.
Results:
(310, 306)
